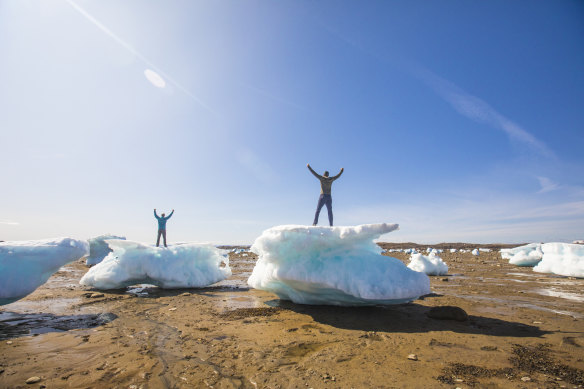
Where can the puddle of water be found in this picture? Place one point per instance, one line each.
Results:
(13, 324)
(231, 302)
(510, 302)
(524, 274)
(560, 294)
(139, 290)
(52, 305)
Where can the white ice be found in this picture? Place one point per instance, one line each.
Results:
(99, 249)
(431, 265)
(26, 265)
(333, 266)
(475, 252)
(188, 265)
(563, 259)
(527, 255)
(452, 250)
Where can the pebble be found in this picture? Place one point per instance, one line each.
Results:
(525, 379)
(444, 279)
(9, 342)
(185, 294)
(172, 309)
(413, 357)
(33, 380)
(96, 295)
(448, 313)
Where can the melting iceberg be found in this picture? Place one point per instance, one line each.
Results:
(527, 255)
(99, 249)
(563, 259)
(26, 265)
(431, 265)
(188, 265)
(333, 266)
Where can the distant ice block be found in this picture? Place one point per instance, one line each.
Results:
(188, 265)
(475, 252)
(563, 259)
(26, 265)
(527, 255)
(333, 266)
(452, 250)
(431, 265)
(99, 249)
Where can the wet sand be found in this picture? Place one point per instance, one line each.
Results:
(524, 330)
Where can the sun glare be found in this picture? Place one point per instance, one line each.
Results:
(154, 78)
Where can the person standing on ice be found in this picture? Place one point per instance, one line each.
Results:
(162, 226)
(325, 198)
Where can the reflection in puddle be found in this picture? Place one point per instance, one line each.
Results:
(557, 293)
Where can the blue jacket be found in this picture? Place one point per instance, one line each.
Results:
(162, 220)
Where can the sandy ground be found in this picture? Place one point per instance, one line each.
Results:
(524, 330)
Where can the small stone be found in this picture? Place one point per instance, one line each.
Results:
(9, 342)
(96, 295)
(172, 309)
(413, 357)
(525, 379)
(185, 294)
(459, 380)
(448, 313)
(537, 322)
(444, 279)
(33, 380)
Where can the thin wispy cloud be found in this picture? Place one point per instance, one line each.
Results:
(478, 110)
(9, 223)
(157, 71)
(261, 170)
(547, 185)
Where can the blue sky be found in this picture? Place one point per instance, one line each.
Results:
(459, 120)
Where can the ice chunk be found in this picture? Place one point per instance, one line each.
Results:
(452, 250)
(188, 265)
(333, 266)
(26, 265)
(475, 252)
(527, 255)
(98, 248)
(563, 259)
(431, 265)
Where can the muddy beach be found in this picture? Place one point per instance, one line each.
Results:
(523, 329)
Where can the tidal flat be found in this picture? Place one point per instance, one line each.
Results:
(523, 329)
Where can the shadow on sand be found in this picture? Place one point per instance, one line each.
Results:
(405, 318)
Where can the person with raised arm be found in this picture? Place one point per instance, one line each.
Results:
(162, 226)
(325, 198)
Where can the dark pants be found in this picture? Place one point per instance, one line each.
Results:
(324, 199)
(163, 233)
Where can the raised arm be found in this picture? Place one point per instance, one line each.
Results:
(338, 175)
(155, 215)
(168, 217)
(313, 172)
